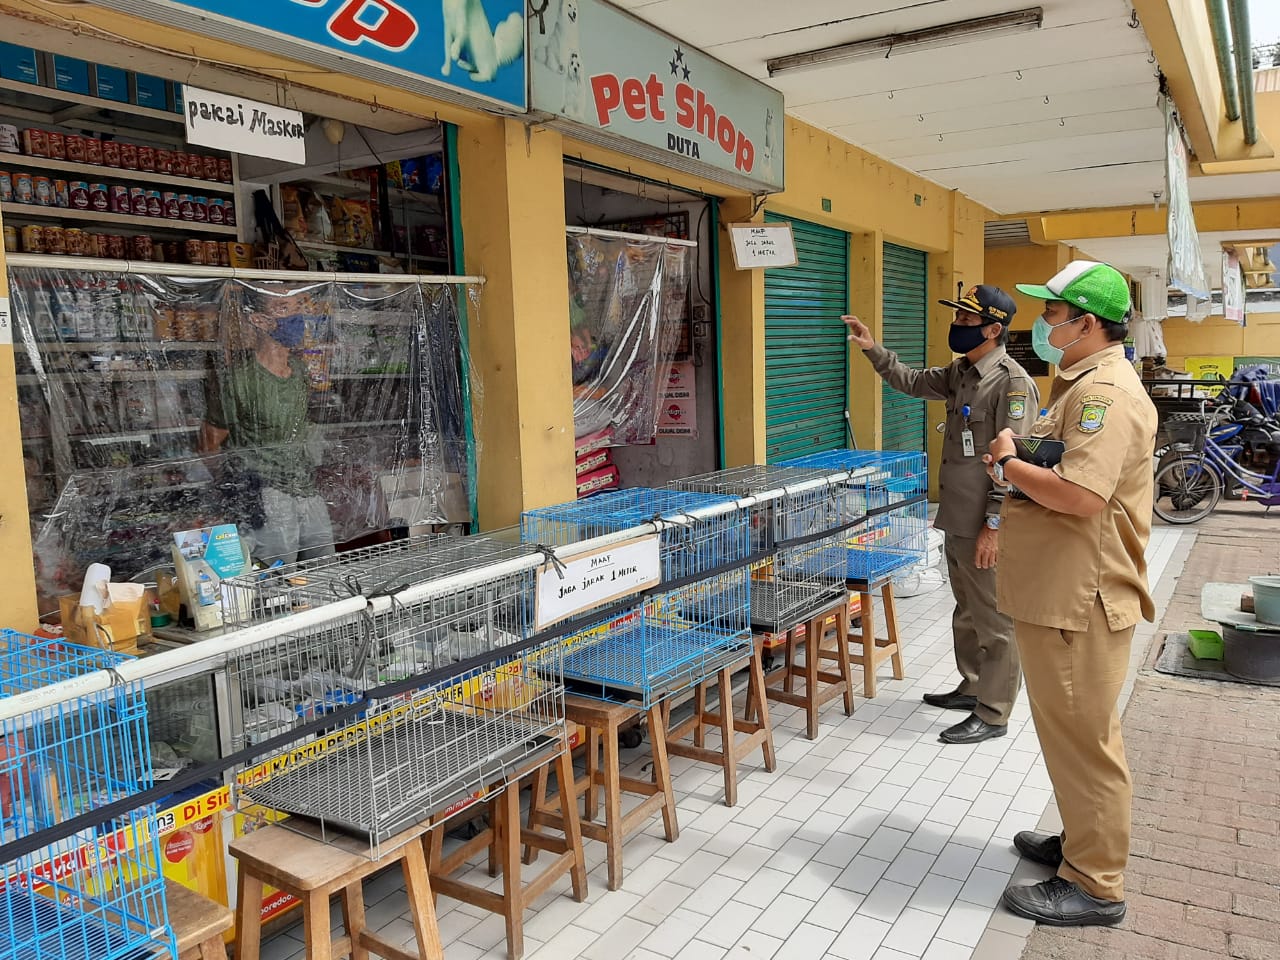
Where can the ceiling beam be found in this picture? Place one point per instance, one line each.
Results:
(1221, 216)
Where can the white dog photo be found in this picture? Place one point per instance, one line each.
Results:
(470, 43)
(575, 89)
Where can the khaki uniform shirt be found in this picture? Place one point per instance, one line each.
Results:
(998, 393)
(1054, 566)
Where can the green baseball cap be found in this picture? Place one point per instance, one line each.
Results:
(1093, 287)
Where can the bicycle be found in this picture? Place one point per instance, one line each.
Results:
(1191, 476)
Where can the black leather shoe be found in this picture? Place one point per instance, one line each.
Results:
(1043, 848)
(1060, 903)
(955, 700)
(972, 729)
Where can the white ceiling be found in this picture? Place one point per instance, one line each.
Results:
(1134, 255)
(960, 115)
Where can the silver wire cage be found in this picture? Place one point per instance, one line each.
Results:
(800, 520)
(890, 487)
(398, 751)
(99, 892)
(698, 621)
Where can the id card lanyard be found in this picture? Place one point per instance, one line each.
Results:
(966, 435)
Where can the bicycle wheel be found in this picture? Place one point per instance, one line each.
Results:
(1186, 490)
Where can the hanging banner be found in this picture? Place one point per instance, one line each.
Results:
(1232, 288)
(1186, 262)
(472, 49)
(616, 80)
(244, 126)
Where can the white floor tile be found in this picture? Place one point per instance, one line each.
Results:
(764, 888)
(782, 916)
(936, 894)
(913, 931)
(860, 939)
(835, 908)
(624, 936)
(730, 923)
(755, 946)
(886, 901)
(701, 950)
(665, 900)
(964, 923)
(942, 950)
(886, 843)
(910, 867)
(714, 894)
(807, 942)
(698, 869)
(974, 832)
(840, 850)
(812, 882)
(862, 874)
(984, 887)
(672, 935)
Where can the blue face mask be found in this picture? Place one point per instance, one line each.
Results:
(1045, 350)
(290, 331)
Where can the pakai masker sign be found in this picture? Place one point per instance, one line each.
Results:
(612, 78)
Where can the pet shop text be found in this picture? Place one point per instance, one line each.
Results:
(379, 22)
(691, 110)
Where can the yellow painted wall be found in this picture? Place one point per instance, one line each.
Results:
(1217, 336)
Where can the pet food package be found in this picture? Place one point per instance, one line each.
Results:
(291, 213)
(592, 442)
(597, 482)
(592, 462)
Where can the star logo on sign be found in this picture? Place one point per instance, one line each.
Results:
(675, 67)
(686, 73)
(679, 55)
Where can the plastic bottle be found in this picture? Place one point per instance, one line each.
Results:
(204, 589)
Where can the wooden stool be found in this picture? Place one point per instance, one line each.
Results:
(198, 923)
(820, 687)
(759, 733)
(602, 721)
(502, 839)
(313, 871)
(876, 650)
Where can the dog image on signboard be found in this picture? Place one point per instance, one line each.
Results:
(473, 45)
(563, 40)
(575, 89)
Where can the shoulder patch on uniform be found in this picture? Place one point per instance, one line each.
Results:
(1017, 406)
(1093, 415)
(1096, 398)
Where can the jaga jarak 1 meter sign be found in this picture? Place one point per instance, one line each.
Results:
(596, 578)
(613, 79)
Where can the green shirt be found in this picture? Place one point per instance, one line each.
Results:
(266, 417)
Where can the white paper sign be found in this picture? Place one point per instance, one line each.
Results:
(6, 322)
(596, 578)
(758, 245)
(244, 126)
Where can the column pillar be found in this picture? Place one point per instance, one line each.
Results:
(741, 347)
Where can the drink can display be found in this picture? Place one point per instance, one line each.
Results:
(164, 160)
(211, 254)
(77, 242)
(229, 212)
(209, 167)
(115, 246)
(11, 239)
(224, 169)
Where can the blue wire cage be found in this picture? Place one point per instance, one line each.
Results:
(98, 893)
(800, 521)
(890, 488)
(699, 622)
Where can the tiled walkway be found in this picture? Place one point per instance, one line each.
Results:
(874, 841)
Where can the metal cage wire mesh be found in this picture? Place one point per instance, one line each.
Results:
(677, 637)
(100, 892)
(801, 578)
(890, 488)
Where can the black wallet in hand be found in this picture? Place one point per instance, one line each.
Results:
(1042, 451)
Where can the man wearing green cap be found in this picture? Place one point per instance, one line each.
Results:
(1073, 576)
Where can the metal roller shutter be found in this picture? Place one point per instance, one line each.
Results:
(905, 333)
(806, 354)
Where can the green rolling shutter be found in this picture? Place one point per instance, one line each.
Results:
(905, 333)
(806, 354)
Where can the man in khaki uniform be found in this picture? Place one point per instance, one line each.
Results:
(1073, 576)
(985, 389)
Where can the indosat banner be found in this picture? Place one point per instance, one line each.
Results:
(612, 79)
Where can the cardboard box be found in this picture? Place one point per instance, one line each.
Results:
(19, 63)
(111, 83)
(71, 74)
(149, 91)
(118, 628)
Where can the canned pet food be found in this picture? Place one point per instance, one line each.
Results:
(186, 207)
(164, 160)
(224, 169)
(195, 166)
(92, 150)
(77, 243)
(111, 153)
(217, 210)
(78, 195)
(120, 199)
(155, 206)
(43, 187)
(229, 212)
(143, 248)
(115, 246)
(99, 244)
(200, 209)
(35, 143)
(33, 239)
(147, 159)
(10, 140)
(6, 186)
(61, 194)
(99, 197)
(75, 147)
(210, 168)
(23, 189)
(169, 205)
(195, 251)
(129, 156)
(211, 256)
(11, 239)
(55, 241)
(57, 145)
(138, 201)
(224, 260)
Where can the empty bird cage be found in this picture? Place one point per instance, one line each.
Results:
(398, 751)
(695, 623)
(800, 520)
(98, 892)
(891, 488)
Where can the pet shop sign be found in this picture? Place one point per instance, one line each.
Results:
(613, 78)
(475, 48)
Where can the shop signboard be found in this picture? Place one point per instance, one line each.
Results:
(612, 79)
(1210, 368)
(1271, 363)
(678, 409)
(244, 126)
(462, 49)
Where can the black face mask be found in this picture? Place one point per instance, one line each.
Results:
(964, 339)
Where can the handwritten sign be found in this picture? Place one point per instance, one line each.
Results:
(244, 126)
(596, 578)
(757, 245)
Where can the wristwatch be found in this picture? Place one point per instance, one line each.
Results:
(993, 522)
(998, 467)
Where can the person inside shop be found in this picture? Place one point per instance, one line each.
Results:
(985, 390)
(257, 406)
(1073, 577)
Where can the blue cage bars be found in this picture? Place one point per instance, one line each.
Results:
(98, 894)
(697, 622)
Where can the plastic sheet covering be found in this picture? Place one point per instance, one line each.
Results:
(1186, 261)
(626, 300)
(308, 413)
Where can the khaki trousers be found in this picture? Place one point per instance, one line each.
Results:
(986, 654)
(1074, 682)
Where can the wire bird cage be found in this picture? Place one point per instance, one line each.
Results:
(98, 893)
(889, 488)
(801, 520)
(697, 624)
(486, 707)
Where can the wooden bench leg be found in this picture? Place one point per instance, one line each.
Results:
(868, 614)
(572, 828)
(729, 735)
(842, 657)
(891, 626)
(538, 803)
(248, 939)
(353, 918)
(507, 843)
(756, 694)
(421, 904)
(213, 949)
(317, 932)
(593, 768)
(662, 773)
(812, 660)
(699, 708)
(613, 802)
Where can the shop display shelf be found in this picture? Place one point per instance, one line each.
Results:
(31, 211)
(363, 188)
(72, 100)
(98, 172)
(140, 346)
(368, 251)
(132, 436)
(32, 380)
